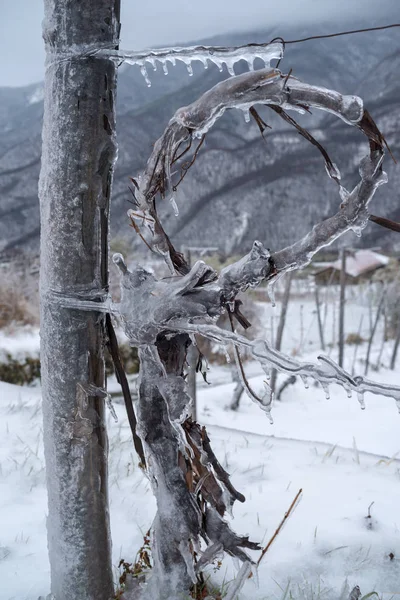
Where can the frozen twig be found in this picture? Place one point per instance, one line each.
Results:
(281, 524)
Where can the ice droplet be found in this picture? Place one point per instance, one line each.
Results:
(246, 113)
(174, 206)
(349, 392)
(325, 387)
(305, 381)
(271, 292)
(360, 398)
(143, 71)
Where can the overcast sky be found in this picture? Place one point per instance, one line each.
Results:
(160, 22)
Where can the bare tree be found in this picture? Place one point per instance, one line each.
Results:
(159, 316)
(79, 150)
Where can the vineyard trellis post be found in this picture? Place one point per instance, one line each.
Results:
(79, 151)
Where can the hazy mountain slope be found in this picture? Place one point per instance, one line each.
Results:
(271, 190)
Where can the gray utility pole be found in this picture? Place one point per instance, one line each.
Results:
(79, 151)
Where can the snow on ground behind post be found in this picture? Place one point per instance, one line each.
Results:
(350, 462)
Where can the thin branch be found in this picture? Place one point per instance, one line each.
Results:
(186, 166)
(388, 223)
(326, 372)
(330, 167)
(112, 345)
(242, 375)
(281, 524)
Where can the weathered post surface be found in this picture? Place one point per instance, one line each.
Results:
(79, 151)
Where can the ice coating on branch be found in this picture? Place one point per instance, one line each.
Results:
(326, 372)
(209, 555)
(246, 114)
(271, 292)
(305, 381)
(333, 171)
(325, 387)
(265, 86)
(145, 74)
(174, 206)
(239, 581)
(264, 401)
(360, 398)
(352, 215)
(222, 57)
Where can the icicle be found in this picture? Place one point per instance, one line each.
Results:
(189, 69)
(143, 71)
(229, 67)
(325, 387)
(271, 292)
(111, 408)
(152, 62)
(268, 395)
(267, 370)
(174, 206)
(255, 578)
(333, 171)
(360, 398)
(305, 381)
(227, 357)
(250, 64)
(357, 230)
(348, 391)
(188, 558)
(344, 194)
(165, 67)
(246, 113)
(239, 581)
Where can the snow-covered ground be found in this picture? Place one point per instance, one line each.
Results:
(345, 460)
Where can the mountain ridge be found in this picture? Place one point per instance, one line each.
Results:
(271, 190)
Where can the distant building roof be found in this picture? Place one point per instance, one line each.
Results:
(360, 262)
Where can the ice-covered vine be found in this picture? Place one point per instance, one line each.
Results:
(161, 316)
